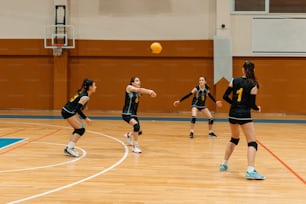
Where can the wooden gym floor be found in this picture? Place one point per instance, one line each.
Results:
(171, 169)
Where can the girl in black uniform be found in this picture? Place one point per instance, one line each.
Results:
(72, 112)
(129, 112)
(200, 93)
(243, 91)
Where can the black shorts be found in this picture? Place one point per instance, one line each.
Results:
(199, 109)
(127, 118)
(240, 122)
(66, 115)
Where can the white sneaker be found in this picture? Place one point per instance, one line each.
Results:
(136, 149)
(71, 152)
(128, 138)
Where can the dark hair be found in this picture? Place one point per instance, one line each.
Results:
(86, 84)
(203, 77)
(249, 73)
(132, 79)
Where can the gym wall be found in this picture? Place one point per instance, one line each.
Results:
(112, 45)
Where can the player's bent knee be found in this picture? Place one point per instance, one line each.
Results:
(79, 131)
(136, 127)
(253, 144)
(193, 120)
(210, 121)
(234, 140)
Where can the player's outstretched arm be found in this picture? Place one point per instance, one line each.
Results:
(141, 90)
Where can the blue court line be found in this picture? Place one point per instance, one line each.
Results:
(168, 119)
(5, 142)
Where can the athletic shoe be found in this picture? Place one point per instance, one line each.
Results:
(128, 138)
(223, 167)
(191, 135)
(71, 152)
(136, 149)
(254, 175)
(212, 134)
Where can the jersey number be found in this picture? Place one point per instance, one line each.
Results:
(137, 100)
(73, 98)
(239, 93)
(203, 98)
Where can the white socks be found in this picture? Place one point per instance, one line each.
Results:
(71, 145)
(250, 169)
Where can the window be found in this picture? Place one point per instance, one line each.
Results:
(268, 6)
(285, 6)
(249, 6)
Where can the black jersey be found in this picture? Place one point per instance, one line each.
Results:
(240, 106)
(200, 96)
(131, 103)
(72, 105)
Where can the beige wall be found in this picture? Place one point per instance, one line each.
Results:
(24, 19)
(113, 19)
(143, 19)
(132, 20)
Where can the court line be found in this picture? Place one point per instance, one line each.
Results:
(123, 158)
(84, 153)
(282, 162)
(28, 141)
(6, 146)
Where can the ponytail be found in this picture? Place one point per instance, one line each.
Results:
(249, 73)
(85, 85)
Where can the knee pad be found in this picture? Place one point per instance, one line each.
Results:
(140, 133)
(210, 121)
(234, 140)
(136, 127)
(253, 144)
(80, 131)
(193, 120)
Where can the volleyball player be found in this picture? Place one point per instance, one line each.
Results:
(243, 99)
(129, 113)
(200, 94)
(72, 112)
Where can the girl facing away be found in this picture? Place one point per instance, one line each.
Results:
(243, 92)
(200, 93)
(133, 92)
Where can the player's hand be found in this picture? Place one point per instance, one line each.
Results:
(259, 109)
(88, 121)
(153, 94)
(176, 103)
(219, 103)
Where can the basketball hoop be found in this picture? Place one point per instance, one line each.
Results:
(59, 37)
(57, 49)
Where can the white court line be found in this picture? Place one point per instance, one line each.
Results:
(126, 152)
(84, 153)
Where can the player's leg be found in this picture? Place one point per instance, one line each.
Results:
(79, 129)
(234, 140)
(194, 113)
(208, 115)
(250, 133)
(128, 136)
(136, 128)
